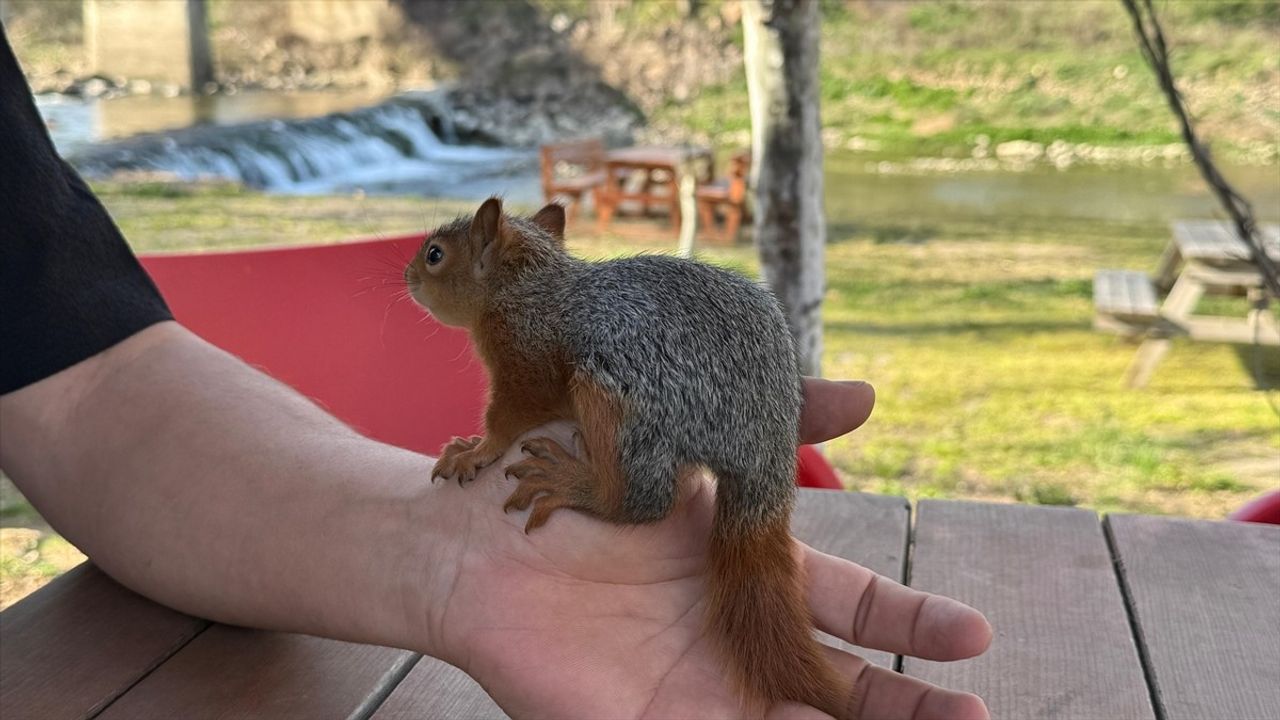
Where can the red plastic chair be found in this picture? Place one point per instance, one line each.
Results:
(325, 320)
(813, 470)
(1262, 509)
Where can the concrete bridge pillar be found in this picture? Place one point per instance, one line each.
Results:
(159, 40)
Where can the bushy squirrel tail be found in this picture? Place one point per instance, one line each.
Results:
(758, 612)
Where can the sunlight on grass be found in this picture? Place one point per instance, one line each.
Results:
(29, 559)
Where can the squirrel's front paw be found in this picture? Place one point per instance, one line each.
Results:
(463, 458)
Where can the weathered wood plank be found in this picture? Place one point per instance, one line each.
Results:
(1142, 296)
(1043, 577)
(1167, 267)
(436, 689)
(71, 648)
(1108, 294)
(1214, 240)
(230, 672)
(871, 530)
(868, 529)
(1206, 600)
(1124, 293)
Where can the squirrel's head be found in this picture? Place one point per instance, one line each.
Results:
(460, 263)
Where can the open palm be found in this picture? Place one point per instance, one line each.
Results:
(591, 620)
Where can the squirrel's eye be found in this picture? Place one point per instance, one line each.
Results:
(434, 255)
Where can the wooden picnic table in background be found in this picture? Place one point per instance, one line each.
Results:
(1203, 257)
(1125, 616)
(648, 176)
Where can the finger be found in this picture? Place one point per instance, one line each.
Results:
(881, 694)
(833, 408)
(861, 607)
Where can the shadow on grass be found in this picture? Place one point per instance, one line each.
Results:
(1262, 363)
(1003, 327)
(882, 234)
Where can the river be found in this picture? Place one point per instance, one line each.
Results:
(341, 142)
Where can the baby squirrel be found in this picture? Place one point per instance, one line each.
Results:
(667, 366)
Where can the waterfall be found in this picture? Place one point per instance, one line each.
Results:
(406, 142)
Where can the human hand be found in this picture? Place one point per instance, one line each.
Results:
(586, 619)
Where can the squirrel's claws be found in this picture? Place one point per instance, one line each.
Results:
(550, 478)
(544, 449)
(526, 470)
(461, 459)
(545, 497)
(542, 509)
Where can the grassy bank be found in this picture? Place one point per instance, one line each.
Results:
(928, 78)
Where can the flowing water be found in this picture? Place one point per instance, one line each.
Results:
(345, 142)
(403, 145)
(76, 123)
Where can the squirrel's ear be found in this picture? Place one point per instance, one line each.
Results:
(551, 219)
(486, 228)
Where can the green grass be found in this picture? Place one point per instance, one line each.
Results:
(165, 216)
(927, 78)
(992, 383)
(30, 559)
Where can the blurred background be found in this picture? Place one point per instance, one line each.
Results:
(982, 161)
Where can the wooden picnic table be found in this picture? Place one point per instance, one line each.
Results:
(658, 170)
(1203, 257)
(1214, 244)
(1126, 616)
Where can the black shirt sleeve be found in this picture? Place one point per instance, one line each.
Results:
(69, 285)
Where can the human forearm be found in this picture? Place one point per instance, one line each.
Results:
(207, 486)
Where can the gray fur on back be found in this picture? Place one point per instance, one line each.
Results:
(702, 361)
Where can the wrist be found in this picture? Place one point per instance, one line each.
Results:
(435, 524)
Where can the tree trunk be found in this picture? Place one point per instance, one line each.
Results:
(781, 39)
(200, 50)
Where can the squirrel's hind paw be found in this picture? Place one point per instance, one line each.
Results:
(550, 478)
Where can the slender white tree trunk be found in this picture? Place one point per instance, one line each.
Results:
(781, 53)
(688, 208)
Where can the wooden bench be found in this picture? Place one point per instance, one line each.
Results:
(1125, 302)
(727, 195)
(571, 170)
(1204, 256)
(646, 177)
